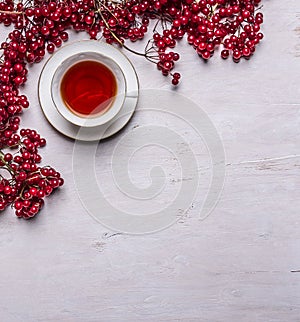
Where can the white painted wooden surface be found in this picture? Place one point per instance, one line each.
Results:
(240, 264)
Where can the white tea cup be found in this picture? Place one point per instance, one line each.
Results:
(115, 103)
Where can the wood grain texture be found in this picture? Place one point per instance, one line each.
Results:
(240, 264)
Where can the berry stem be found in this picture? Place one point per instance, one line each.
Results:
(7, 166)
(11, 12)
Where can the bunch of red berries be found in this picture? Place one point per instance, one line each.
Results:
(40, 26)
(23, 183)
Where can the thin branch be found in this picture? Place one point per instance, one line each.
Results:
(11, 12)
(117, 38)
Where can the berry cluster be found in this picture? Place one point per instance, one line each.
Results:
(24, 183)
(40, 26)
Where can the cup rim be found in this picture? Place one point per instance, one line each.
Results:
(101, 119)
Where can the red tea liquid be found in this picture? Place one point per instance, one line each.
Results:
(88, 88)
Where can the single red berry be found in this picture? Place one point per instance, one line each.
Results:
(8, 157)
(225, 53)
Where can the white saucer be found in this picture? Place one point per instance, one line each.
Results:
(85, 133)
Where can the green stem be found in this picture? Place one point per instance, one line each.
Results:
(11, 170)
